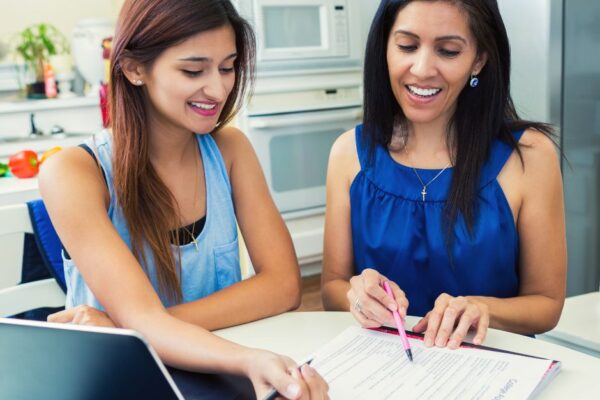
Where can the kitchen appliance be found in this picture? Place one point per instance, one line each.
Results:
(556, 78)
(86, 44)
(292, 132)
(299, 35)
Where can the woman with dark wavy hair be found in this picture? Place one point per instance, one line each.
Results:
(444, 190)
(148, 211)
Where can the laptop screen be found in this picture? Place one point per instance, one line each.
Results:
(51, 361)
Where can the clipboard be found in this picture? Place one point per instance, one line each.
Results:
(552, 371)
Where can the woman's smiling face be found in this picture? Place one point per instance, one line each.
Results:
(189, 83)
(431, 54)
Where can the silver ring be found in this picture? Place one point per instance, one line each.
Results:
(357, 306)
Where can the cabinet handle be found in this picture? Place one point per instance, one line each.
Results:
(304, 119)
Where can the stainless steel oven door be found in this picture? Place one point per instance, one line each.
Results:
(293, 150)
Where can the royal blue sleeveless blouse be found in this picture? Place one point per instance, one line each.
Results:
(397, 233)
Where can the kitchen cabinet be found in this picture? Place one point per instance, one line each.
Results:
(306, 230)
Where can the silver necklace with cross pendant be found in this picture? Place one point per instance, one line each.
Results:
(424, 190)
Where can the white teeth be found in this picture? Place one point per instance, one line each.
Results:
(423, 92)
(203, 106)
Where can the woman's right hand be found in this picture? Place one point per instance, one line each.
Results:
(370, 304)
(268, 370)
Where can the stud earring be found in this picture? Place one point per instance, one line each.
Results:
(138, 82)
(474, 81)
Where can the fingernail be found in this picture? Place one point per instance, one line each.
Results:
(292, 391)
(392, 306)
(308, 371)
(428, 342)
(453, 343)
(439, 342)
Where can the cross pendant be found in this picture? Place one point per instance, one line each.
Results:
(195, 243)
(424, 192)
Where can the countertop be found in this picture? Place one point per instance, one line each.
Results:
(15, 191)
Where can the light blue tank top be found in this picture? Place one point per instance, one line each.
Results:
(402, 236)
(212, 267)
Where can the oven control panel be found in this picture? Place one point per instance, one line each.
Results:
(303, 100)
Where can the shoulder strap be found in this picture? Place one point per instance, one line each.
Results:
(361, 149)
(213, 160)
(91, 152)
(499, 154)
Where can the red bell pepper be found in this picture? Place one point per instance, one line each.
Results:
(24, 164)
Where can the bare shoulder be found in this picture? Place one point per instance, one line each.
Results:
(538, 150)
(343, 158)
(232, 144)
(345, 145)
(344, 152)
(71, 172)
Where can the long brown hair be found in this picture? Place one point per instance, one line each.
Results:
(145, 29)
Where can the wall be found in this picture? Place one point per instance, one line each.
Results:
(367, 10)
(533, 28)
(64, 14)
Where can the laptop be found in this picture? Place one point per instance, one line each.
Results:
(40, 360)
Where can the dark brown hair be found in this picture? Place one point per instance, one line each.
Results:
(145, 29)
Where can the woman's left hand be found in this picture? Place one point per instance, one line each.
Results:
(82, 315)
(451, 318)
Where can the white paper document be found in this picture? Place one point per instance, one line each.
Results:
(365, 364)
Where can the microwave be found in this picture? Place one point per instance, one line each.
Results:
(295, 35)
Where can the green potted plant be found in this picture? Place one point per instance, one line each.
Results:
(35, 44)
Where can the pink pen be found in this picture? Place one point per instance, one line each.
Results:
(399, 323)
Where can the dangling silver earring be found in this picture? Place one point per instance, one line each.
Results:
(138, 82)
(474, 81)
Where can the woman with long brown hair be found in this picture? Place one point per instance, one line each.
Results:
(147, 211)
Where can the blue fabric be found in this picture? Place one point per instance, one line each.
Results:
(47, 241)
(213, 266)
(397, 233)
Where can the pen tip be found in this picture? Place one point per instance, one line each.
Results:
(409, 354)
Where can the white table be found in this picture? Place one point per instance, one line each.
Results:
(579, 325)
(298, 334)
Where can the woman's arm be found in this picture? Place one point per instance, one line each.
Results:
(75, 194)
(543, 248)
(338, 263)
(276, 286)
(535, 195)
(340, 290)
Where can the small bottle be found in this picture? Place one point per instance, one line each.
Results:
(49, 81)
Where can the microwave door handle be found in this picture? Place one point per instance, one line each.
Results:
(280, 121)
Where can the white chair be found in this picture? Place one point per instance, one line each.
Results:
(16, 298)
(579, 325)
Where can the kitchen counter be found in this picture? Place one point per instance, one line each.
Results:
(15, 191)
(27, 105)
(40, 145)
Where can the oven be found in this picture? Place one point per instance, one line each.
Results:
(293, 143)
